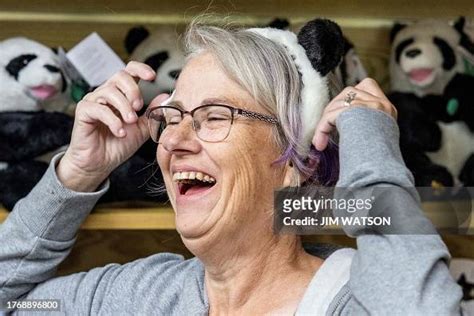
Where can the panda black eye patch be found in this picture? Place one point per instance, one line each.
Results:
(449, 59)
(156, 60)
(401, 47)
(18, 63)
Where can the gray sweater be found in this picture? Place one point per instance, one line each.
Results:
(388, 274)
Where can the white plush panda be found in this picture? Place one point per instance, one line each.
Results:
(30, 75)
(432, 94)
(350, 71)
(160, 50)
(424, 57)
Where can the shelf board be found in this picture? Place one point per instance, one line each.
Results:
(152, 216)
(125, 218)
(264, 8)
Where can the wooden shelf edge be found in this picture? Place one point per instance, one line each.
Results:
(150, 218)
(147, 217)
(177, 19)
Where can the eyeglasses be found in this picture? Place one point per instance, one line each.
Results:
(211, 122)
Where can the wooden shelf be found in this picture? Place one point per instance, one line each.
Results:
(126, 218)
(266, 8)
(162, 217)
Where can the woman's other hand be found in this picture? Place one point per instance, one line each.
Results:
(367, 94)
(107, 130)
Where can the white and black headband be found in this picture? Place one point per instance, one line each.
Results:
(316, 50)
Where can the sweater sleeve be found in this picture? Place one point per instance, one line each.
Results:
(401, 273)
(38, 235)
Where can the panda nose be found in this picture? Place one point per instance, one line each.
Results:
(412, 53)
(51, 68)
(174, 73)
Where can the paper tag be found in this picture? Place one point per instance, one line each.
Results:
(69, 70)
(95, 60)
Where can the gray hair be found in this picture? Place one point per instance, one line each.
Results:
(266, 70)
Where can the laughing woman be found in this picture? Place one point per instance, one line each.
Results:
(240, 124)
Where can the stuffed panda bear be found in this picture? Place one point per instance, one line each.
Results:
(30, 74)
(350, 71)
(436, 110)
(160, 50)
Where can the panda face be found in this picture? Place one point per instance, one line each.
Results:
(425, 60)
(351, 68)
(167, 71)
(424, 57)
(161, 51)
(30, 70)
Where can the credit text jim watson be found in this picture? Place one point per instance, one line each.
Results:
(313, 206)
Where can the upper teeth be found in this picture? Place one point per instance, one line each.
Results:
(191, 175)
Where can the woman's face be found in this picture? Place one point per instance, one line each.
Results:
(241, 199)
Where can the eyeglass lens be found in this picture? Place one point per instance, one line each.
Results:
(212, 123)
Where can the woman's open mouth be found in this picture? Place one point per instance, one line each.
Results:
(193, 182)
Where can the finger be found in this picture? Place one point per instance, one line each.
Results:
(116, 100)
(143, 126)
(90, 113)
(140, 71)
(376, 105)
(127, 85)
(159, 99)
(372, 87)
(324, 128)
(339, 100)
(327, 124)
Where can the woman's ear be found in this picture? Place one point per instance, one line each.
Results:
(291, 176)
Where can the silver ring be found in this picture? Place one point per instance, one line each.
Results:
(351, 95)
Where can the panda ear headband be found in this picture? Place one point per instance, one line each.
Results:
(316, 50)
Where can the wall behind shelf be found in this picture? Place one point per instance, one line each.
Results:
(365, 22)
(262, 8)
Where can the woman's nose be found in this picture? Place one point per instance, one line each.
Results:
(181, 138)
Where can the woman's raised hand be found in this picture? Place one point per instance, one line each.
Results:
(366, 94)
(107, 130)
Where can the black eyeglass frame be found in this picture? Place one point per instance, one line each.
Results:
(234, 111)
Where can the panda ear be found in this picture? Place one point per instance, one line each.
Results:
(134, 37)
(55, 50)
(279, 23)
(459, 24)
(324, 44)
(348, 45)
(464, 41)
(397, 27)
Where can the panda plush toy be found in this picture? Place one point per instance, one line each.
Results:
(30, 76)
(435, 106)
(160, 50)
(350, 71)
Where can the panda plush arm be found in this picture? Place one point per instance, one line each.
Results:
(26, 135)
(427, 134)
(459, 90)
